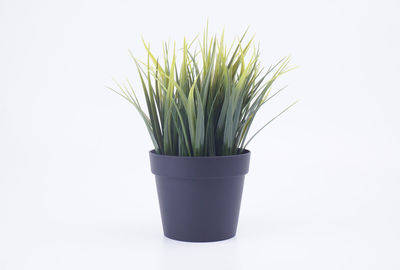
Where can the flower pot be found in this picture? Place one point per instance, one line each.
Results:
(199, 197)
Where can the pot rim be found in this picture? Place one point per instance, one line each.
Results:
(200, 166)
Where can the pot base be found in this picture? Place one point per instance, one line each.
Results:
(200, 241)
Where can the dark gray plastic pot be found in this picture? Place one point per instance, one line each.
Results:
(199, 196)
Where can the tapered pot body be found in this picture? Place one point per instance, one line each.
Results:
(199, 197)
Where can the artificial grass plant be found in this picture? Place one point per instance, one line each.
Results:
(206, 105)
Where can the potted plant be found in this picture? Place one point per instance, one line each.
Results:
(198, 117)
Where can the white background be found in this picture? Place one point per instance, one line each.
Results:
(76, 190)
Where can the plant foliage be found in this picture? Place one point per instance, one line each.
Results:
(205, 106)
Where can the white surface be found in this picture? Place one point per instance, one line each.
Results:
(76, 191)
